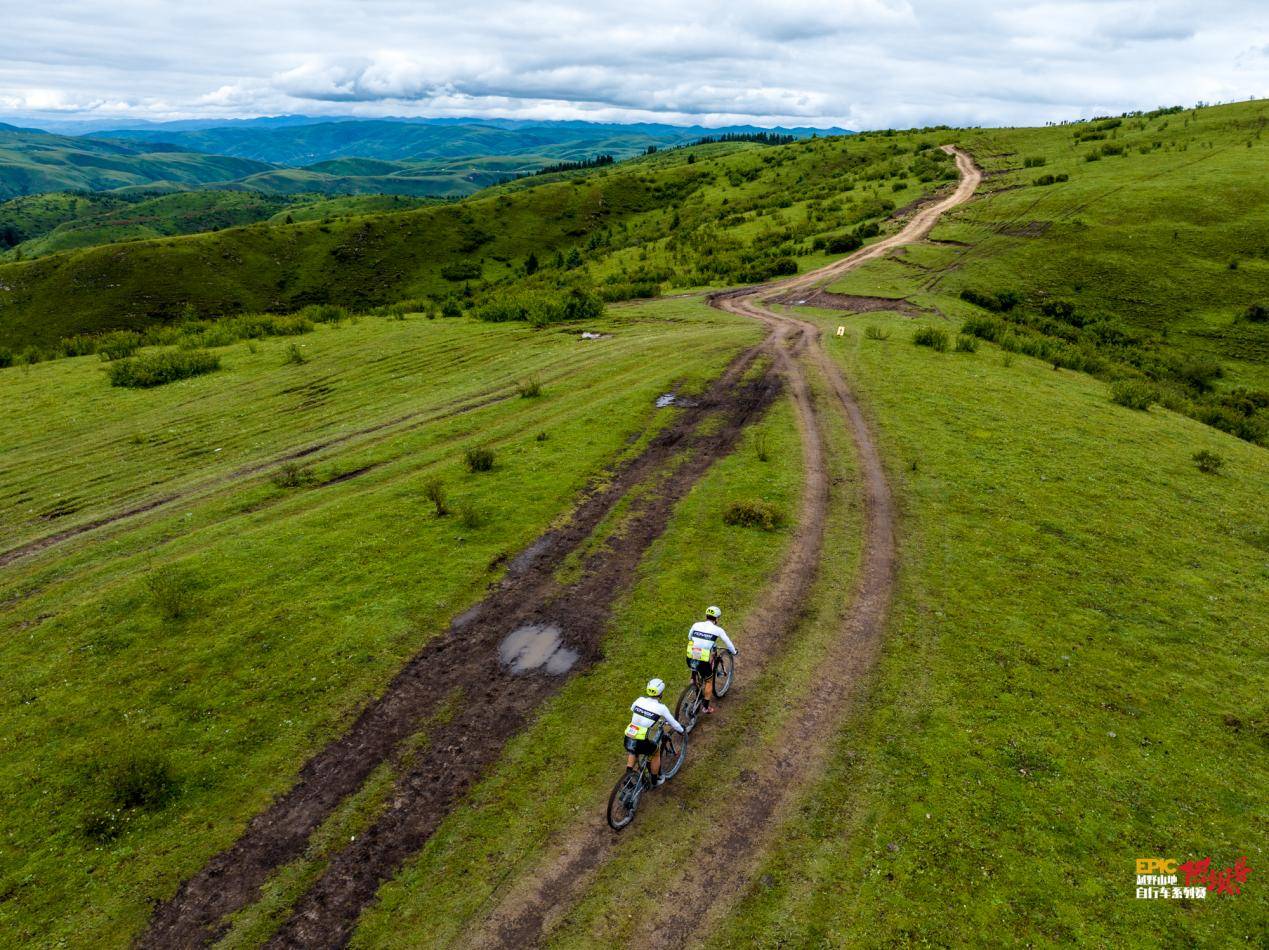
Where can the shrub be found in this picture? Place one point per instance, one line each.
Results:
(1209, 463)
(117, 785)
(434, 491)
(760, 447)
(294, 356)
(1199, 374)
(865, 231)
(479, 459)
(753, 514)
(1133, 394)
(293, 475)
(844, 244)
(1035, 161)
(174, 591)
(539, 308)
(325, 313)
(529, 388)
(932, 337)
(985, 328)
(156, 369)
(541, 437)
(876, 333)
(966, 344)
(1256, 313)
(118, 344)
(461, 270)
(450, 308)
(6, 358)
(471, 516)
(1001, 302)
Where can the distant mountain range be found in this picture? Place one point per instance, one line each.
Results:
(292, 154)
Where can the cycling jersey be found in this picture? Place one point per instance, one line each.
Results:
(702, 639)
(646, 716)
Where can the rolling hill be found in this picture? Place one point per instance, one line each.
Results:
(309, 143)
(1002, 632)
(32, 161)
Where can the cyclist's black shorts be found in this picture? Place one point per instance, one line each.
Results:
(704, 667)
(640, 746)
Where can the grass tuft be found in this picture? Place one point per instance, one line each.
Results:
(478, 459)
(933, 337)
(751, 513)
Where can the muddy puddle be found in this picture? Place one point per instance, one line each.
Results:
(536, 646)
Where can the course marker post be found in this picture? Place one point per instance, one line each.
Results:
(841, 331)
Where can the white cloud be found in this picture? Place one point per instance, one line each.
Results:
(860, 63)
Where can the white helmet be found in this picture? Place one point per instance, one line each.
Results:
(713, 613)
(655, 687)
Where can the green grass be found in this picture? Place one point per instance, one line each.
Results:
(300, 602)
(1072, 679)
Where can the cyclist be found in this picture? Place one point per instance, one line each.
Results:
(702, 650)
(648, 717)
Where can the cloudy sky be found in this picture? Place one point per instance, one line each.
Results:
(854, 63)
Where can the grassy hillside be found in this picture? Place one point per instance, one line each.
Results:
(1146, 265)
(50, 223)
(31, 216)
(302, 601)
(1073, 678)
(166, 215)
(713, 214)
(33, 161)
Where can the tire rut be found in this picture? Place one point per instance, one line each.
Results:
(462, 662)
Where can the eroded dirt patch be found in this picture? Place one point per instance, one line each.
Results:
(851, 303)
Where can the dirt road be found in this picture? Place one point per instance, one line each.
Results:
(529, 910)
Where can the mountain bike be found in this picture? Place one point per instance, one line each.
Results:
(692, 700)
(624, 800)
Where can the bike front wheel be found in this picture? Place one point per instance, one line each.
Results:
(723, 674)
(689, 707)
(624, 801)
(673, 753)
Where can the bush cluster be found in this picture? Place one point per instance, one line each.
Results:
(165, 366)
(933, 337)
(1000, 302)
(539, 308)
(1051, 179)
(1133, 393)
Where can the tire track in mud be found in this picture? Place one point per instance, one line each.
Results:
(494, 704)
(719, 878)
(523, 914)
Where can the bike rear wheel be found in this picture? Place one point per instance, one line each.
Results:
(689, 707)
(624, 800)
(723, 674)
(673, 753)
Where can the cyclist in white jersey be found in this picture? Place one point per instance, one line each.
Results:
(702, 650)
(648, 718)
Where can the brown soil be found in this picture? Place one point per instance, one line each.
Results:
(495, 704)
(527, 913)
(851, 303)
